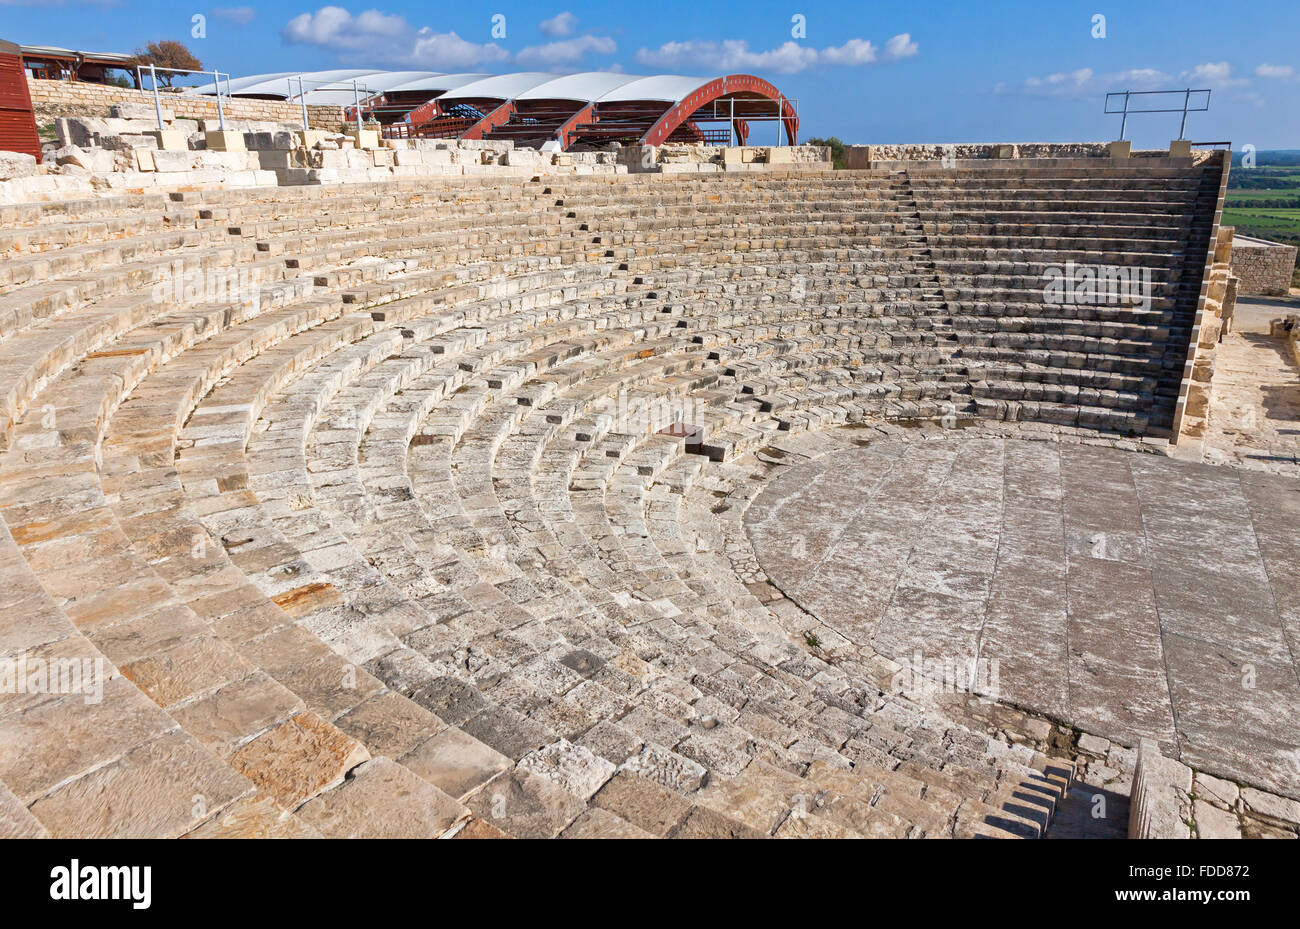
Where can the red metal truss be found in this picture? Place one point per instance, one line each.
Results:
(740, 86)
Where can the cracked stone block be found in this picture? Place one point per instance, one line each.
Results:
(298, 759)
(161, 789)
(573, 767)
(1214, 823)
(15, 821)
(527, 806)
(255, 817)
(383, 800)
(667, 768)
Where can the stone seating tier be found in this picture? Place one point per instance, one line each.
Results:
(424, 526)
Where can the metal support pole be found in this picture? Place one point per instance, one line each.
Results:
(157, 104)
(221, 114)
(1187, 99)
(1124, 119)
(356, 102)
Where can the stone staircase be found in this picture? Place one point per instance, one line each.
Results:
(413, 529)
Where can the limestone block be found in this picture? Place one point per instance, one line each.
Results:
(267, 141)
(169, 140)
(144, 160)
(80, 131)
(309, 138)
(270, 160)
(1223, 244)
(92, 159)
(130, 142)
(1180, 148)
(526, 157)
(142, 111)
(382, 157)
(780, 155)
(16, 165)
(228, 140)
(228, 161)
(169, 160)
(365, 138)
(1122, 149)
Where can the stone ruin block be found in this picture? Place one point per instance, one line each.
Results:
(140, 111)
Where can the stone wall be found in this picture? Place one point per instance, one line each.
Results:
(864, 156)
(53, 99)
(1263, 267)
(1217, 297)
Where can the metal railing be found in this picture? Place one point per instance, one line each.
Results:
(1127, 109)
(157, 102)
(356, 87)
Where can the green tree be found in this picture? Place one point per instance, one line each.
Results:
(168, 54)
(837, 149)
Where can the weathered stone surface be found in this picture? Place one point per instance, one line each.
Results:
(1059, 562)
(470, 477)
(254, 817)
(455, 762)
(704, 823)
(383, 800)
(162, 789)
(527, 806)
(15, 165)
(389, 724)
(667, 768)
(298, 759)
(15, 821)
(481, 829)
(601, 824)
(574, 768)
(640, 801)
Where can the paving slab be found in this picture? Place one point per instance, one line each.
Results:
(1131, 595)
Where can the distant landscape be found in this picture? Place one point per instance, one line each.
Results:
(1264, 200)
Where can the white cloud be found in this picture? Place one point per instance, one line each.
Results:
(901, 46)
(333, 27)
(1218, 73)
(376, 37)
(1083, 82)
(239, 15)
(854, 52)
(1275, 71)
(788, 58)
(559, 25)
(565, 51)
(447, 50)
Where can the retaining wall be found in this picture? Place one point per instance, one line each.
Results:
(1263, 267)
(52, 99)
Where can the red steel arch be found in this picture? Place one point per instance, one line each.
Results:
(716, 89)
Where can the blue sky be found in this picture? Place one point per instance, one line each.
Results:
(867, 70)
